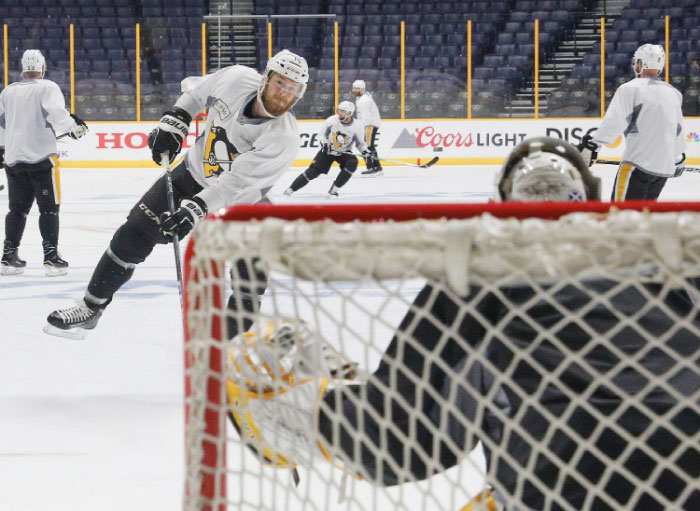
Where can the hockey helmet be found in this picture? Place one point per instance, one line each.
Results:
(291, 66)
(652, 56)
(359, 84)
(545, 169)
(33, 62)
(348, 108)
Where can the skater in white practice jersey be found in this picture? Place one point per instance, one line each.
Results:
(32, 114)
(368, 115)
(338, 135)
(249, 140)
(647, 111)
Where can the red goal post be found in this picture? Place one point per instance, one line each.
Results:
(332, 243)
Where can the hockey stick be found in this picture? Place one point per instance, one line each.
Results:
(423, 166)
(165, 162)
(678, 173)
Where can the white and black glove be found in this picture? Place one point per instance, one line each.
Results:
(680, 165)
(168, 136)
(588, 149)
(367, 154)
(184, 219)
(326, 147)
(80, 130)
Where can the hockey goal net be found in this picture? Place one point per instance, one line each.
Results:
(554, 356)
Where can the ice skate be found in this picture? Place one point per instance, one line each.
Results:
(373, 172)
(73, 322)
(11, 264)
(54, 265)
(288, 192)
(333, 192)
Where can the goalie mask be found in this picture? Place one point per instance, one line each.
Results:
(545, 169)
(283, 83)
(652, 56)
(345, 111)
(33, 62)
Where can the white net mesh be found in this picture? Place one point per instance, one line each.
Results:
(408, 365)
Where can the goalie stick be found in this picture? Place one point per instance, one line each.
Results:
(678, 172)
(423, 166)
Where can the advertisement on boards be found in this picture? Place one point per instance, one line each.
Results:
(459, 142)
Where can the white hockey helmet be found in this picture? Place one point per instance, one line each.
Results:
(359, 84)
(348, 108)
(545, 169)
(290, 65)
(33, 62)
(652, 57)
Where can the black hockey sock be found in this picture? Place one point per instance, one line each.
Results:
(14, 227)
(234, 323)
(303, 179)
(299, 182)
(110, 274)
(343, 177)
(48, 227)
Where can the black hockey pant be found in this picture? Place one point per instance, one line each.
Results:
(372, 162)
(322, 164)
(634, 184)
(412, 419)
(134, 240)
(26, 183)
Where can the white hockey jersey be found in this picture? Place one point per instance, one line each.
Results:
(342, 136)
(648, 112)
(236, 159)
(32, 113)
(367, 111)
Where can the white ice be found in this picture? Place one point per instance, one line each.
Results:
(98, 424)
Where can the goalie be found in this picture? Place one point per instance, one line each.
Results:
(466, 368)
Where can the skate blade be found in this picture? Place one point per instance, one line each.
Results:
(11, 270)
(77, 334)
(52, 271)
(373, 174)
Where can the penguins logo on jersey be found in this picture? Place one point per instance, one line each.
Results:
(218, 151)
(340, 139)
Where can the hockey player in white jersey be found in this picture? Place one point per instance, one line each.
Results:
(32, 113)
(338, 135)
(249, 140)
(647, 111)
(368, 115)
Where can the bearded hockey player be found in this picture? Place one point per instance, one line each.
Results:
(249, 140)
(338, 135)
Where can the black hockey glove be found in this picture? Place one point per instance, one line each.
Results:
(168, 136)
(588, 149)
(80, 130)
(2, 157)
(184, 219)
(325, 147)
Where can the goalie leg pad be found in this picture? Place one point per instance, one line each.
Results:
(279, 426)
